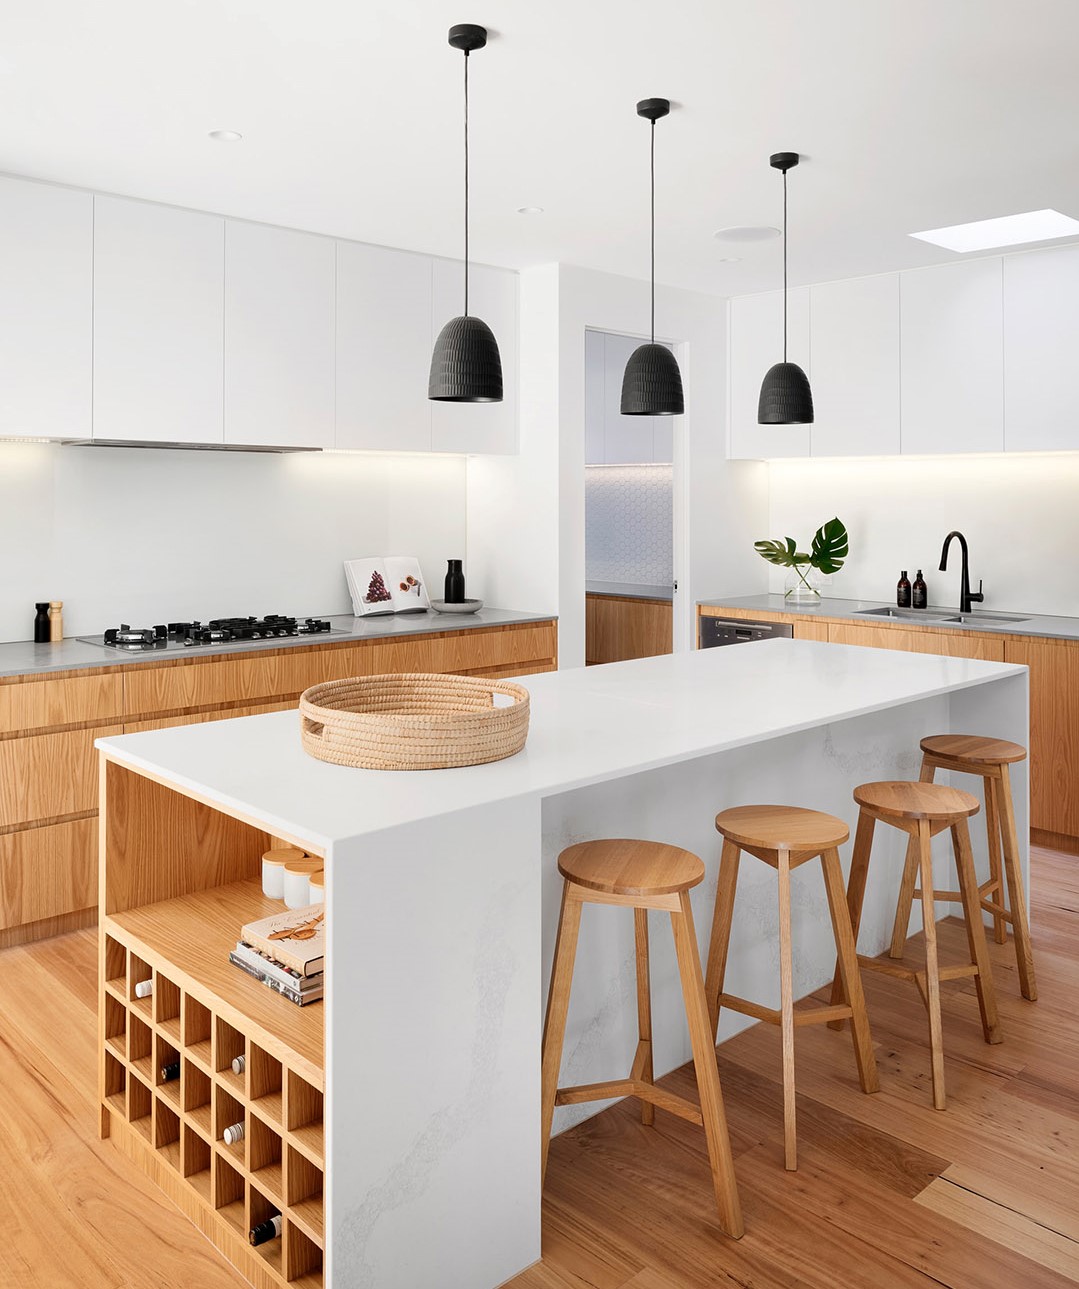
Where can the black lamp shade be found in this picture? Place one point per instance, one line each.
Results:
(465, 365)
(786, 398)
(652, 383)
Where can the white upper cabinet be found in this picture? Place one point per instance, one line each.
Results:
(628, 440)
(383, 348)
(477, 427)
(1041, 340)
(756, 344)
(953, 361)
(855, 337)
(279, 337)
(158, 322)
(46, 310)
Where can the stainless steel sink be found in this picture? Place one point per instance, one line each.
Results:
(908, 615)
(975, 619)
(939, 617)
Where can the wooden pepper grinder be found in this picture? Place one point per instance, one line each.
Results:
(56, 620)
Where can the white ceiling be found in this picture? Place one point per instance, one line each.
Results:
(911, 114)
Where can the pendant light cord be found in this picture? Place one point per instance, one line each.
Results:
(653, 182)
(784, 266)
(466, 184)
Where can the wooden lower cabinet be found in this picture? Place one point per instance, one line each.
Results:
(1054, 731)
(48, 763)
(617, 628)
(988, 648)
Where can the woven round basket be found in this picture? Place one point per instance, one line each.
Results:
(412, 721)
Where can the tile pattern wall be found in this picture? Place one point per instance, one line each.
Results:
(629, 524)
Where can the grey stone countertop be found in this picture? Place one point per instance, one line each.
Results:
(980, 619)
(24, 658)
(630, 590)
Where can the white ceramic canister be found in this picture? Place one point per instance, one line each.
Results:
(297, 873)
(316, 888)
(273, 870)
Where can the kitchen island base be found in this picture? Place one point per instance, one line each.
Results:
(443, 897)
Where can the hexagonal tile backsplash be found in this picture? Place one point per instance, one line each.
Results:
(629, 524)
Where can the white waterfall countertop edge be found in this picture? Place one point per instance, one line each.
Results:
(588, 725)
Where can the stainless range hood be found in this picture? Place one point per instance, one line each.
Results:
(188, 447)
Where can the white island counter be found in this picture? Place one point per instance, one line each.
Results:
(442, 903)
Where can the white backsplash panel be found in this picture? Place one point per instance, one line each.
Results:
(629, 524)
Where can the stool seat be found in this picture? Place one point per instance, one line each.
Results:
(897, 800)
(782, 828)
(620, 866)
(973, 748)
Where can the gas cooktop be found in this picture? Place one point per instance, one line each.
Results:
(217, 631)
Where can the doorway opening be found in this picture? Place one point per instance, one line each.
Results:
(629, 514)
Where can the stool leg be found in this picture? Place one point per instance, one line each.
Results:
(993, 832)
(1017, 902)
(642, 1064)
(720, 940)
(849, 972)
(979, 950)
(901, 927)
(786, 1012)
(859, 868)
(704, 1060)
(554, 1026)
(932, 966)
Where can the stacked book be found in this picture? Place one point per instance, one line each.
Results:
(286, 952)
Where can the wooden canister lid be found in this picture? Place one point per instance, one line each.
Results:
(284, 855)
(305, 865)
(317, 879)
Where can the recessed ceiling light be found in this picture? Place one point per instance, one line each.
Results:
(746, 233)
(529, 210)
(226, 136)
(1009, 230)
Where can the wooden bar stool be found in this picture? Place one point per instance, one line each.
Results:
(640, 875)
(989, 758)
(785, 837)
(922, 810)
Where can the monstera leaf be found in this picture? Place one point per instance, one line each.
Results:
(785, 552)
(830, 546)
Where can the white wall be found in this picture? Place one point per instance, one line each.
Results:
(527, 515)
(1019, 514)
(150, 535)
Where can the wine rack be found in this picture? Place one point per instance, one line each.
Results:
(275, 1169)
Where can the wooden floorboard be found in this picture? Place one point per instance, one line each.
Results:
(889, 1194)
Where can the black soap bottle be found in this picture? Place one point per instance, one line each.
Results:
(455, 582)
(42, 625)
(920, 592)
(902, 591)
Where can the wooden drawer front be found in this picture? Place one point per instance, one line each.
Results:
(952, 646)
(164, 722)
(46, 775)
(46, 872)
(504, 652)
(39, 704)
(811, 631)
(1054, 731)
(209, 684)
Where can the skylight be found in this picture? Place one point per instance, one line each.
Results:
(1009, 230)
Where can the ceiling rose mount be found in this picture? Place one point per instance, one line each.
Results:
(652, 383)
(466, 366)
(786, 398)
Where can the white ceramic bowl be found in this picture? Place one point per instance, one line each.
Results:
(466, 606)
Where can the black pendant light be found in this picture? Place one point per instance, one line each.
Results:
(786, 398)
(465, 365)
(652, 383)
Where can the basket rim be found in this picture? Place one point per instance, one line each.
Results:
(314, 710)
